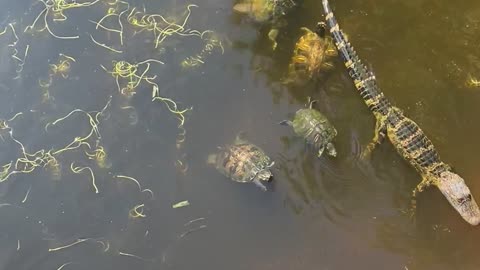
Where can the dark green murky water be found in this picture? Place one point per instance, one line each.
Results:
(319, 213)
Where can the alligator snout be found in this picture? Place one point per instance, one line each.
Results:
(458, 194)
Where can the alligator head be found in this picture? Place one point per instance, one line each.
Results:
(453, 187)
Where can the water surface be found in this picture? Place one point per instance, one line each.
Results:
(318, 214)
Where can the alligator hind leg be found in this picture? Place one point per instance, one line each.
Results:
(379, 136)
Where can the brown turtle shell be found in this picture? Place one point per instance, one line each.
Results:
(242, 162)
(311, 54)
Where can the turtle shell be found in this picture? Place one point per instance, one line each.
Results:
(311, 54)
(314, 127)
(264, 10)
(259, 10)
(243, 162)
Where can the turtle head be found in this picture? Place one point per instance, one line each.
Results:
(320, 29)
(212, 159)
(453, 187)
(264, 175)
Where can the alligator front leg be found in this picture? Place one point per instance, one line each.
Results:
(426, 181)
(379, 136)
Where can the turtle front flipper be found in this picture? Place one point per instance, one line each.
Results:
(259, 184)
(331, 151)
(263, 176)
(286, 123)
(327, 66)
(310, 102)
(330, 49)
(272, 35)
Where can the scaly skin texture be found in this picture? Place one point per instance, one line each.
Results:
(405, 135)
(243, 162)
(312, 53)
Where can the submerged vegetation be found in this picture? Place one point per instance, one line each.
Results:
(119, 29)
(54, 10)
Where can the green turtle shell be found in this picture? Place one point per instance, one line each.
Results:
(314, 127)
(243, 162)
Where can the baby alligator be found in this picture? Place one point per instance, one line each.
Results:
(405, 135)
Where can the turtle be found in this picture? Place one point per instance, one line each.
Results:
(243, 162)
(315, 128)
(266, 10)
(312, 53)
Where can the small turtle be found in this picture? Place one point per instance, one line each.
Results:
(266, 10)
(315, 128)
(259, 10)
(243, 162)
(312, 53)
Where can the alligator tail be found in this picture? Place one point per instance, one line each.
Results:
(348, 54)
(363, 78)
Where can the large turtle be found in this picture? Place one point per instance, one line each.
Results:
(243, 162)
(266, 10)
(313, 52)
(315, 128)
